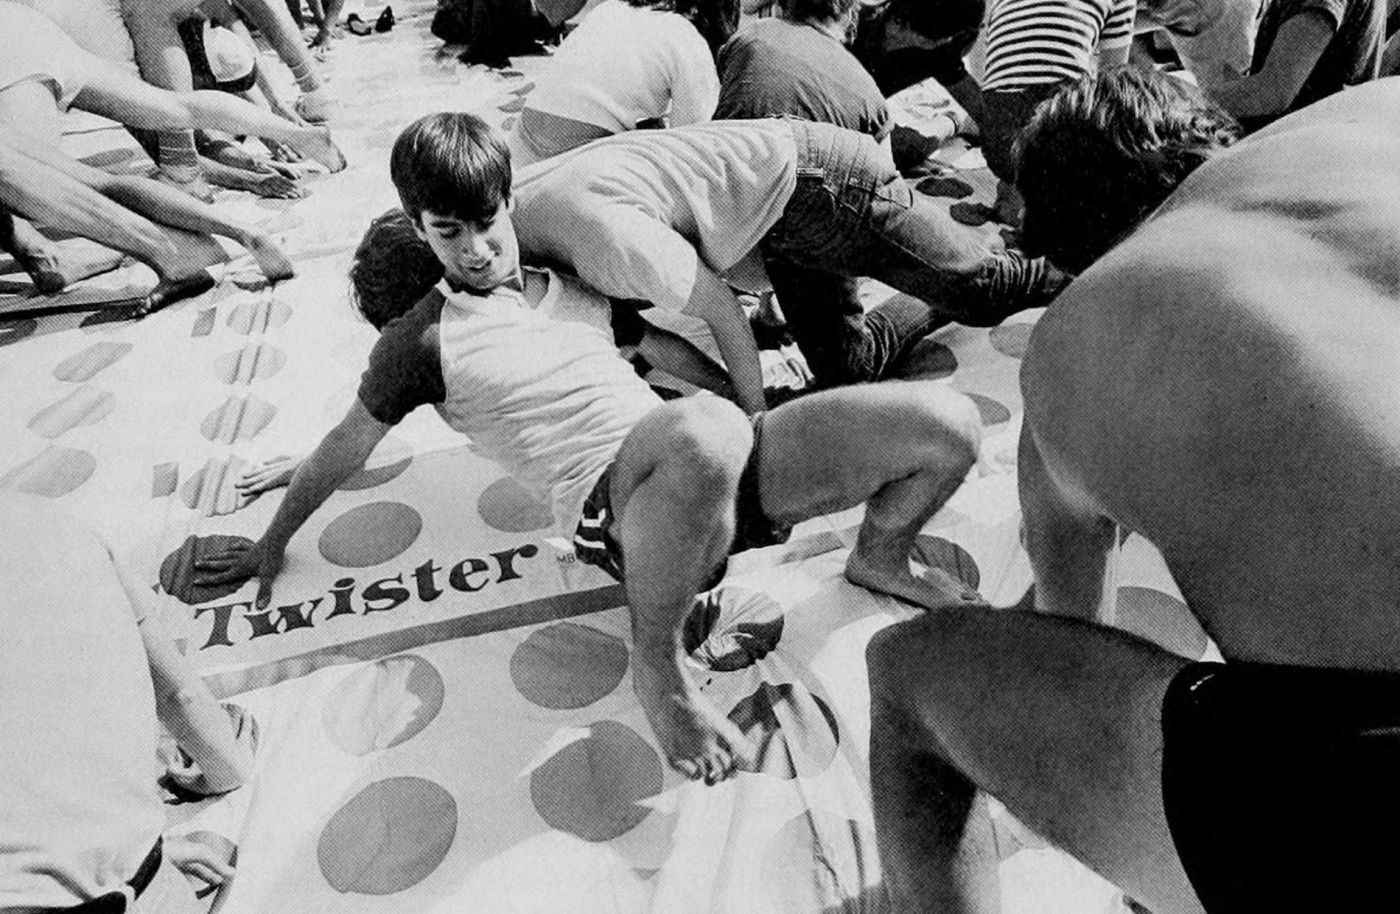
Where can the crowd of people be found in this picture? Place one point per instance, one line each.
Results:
(1212, 220)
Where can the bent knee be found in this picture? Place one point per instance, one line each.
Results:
(704, 441)
(947, 424)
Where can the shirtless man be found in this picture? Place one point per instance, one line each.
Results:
(1223, 382)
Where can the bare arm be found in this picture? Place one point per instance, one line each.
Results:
(186, 707)
(677, 355)
(1295, 52)
(343, 451)
(713, 301)
(1072, 547)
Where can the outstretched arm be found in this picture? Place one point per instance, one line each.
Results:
(185, 705)
(343, 451)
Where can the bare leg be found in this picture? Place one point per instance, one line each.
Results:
(50, 267)
(1072, 545)
(114, 93)
(816, 458)
(1058, 719)
(673, 489)
(164, 62)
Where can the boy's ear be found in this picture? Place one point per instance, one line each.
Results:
(418, 228)
(510, 205)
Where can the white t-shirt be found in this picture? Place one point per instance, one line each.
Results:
(625, 64)
(79, 810)
(540, 389)
(634, 214)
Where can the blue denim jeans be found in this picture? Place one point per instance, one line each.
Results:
(852, 215)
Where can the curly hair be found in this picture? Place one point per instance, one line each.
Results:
(715, 20)
(1104, 152)
(392, 270)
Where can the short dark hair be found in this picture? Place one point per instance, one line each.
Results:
(816, 10)
(1104, 152)
(393, 269)
(452, 163)
(715, 20)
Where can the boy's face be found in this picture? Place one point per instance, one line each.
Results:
(474, 255)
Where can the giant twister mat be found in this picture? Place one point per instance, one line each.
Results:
(443, 694)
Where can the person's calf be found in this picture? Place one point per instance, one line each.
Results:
(939, 441)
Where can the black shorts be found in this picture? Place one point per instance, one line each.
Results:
(1282, 785)
(594, 544)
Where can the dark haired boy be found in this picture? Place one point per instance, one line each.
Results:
(1222, 382)
(524, 363)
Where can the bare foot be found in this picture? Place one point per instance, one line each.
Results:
(696, 739)
(190, 253)
(931, 588)
(318, 145)
(271, 260)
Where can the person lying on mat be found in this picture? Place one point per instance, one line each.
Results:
(523, 362)
(86, 673)
(659, 215)
(1223, 382)
(46, 73)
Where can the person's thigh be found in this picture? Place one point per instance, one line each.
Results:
(1059, 720)
(816, 454)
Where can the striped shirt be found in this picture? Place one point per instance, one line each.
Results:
(1032, 42)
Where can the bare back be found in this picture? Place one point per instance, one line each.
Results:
(1227, 383)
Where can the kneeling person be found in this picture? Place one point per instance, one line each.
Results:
(523, 362)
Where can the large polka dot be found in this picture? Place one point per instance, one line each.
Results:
(57, 471)
(820, 861)
(237, 419)
(568, 666)
(211, 490)
(993, 411)
(928, 359)
(12, 332)
(389, 837)
(177, 570)
(389, 459)
(936, 552)
(794, 731)
(1161, 619)
(383, 704)
(253, 362)
(730, 628)
(506, 506)
(592, 787)
(1011, 339)
(84, 406)
(251, 317)
(944, 186)
(93, 360)
(370, 534)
